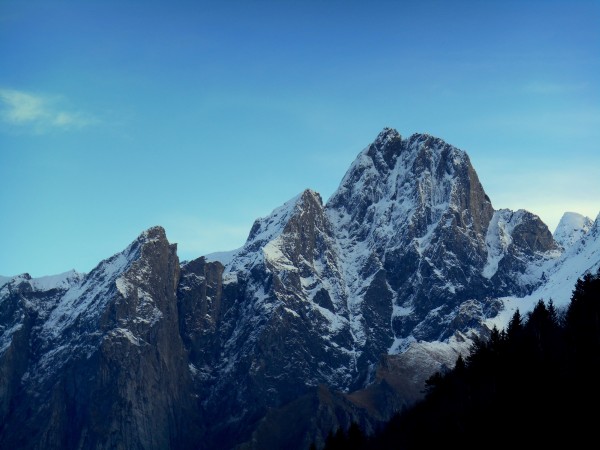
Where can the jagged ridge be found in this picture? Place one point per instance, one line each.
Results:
(325, 306)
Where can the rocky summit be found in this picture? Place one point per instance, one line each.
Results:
(329, 313)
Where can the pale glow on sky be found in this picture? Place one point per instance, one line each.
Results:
(201, 116)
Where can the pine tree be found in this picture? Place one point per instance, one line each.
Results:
(460, 365)
(543, 367)
(495, 338)
(329, 441)
(356, 437)
(515, 326)
(553, 313)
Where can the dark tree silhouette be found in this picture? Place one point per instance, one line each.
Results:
(535, 383)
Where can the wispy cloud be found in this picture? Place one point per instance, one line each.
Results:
(40, 113)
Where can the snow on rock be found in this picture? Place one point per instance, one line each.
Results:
(560, 276)
(124, 333)
(411, 249)
(87, 298)
(572, 227)
(581, 257)
(22, 296)
(264, 231)
(5, 280)
(6, 335)
(69, 321)
(407, 258)
(62, 281)
(394, 213)
(499, 238)
(222, 257)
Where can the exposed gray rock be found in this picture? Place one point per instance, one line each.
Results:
(328, 314)
(105, 366)
(400, 253)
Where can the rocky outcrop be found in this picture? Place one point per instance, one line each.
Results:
(329, 313)
(106, 366)
(516, 242)
(269, 322)
(413, 223)
(320, 293)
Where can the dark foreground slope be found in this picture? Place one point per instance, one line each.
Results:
(532, 384)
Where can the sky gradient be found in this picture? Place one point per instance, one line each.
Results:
(202, 116)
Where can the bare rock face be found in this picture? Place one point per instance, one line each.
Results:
(264, 323)
(106, 366)
(404, 251)
(330, 313)
(516, 242)
(413, 224)
(17, 321)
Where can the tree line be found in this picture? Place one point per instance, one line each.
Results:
(535, 383)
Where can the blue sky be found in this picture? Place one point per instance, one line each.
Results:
(202, 116)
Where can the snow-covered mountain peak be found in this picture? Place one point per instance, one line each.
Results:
(70, 278)
(559, 275)
(116, 300)
(387, 146)
(594, 230)
(60, 281)
(383, 153)
(265, 237)
(86, 299)
(386, 136)
(307, 199)
(24, 282)
(571, 228)
(154, 233)
(425, 140)
(408, 185)
(266, 228)
(408, 259)
(521, 234)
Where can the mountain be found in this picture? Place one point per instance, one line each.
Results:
(540, 367)
(559, 275)
(96, 360)
(329, 313)
(571, 228)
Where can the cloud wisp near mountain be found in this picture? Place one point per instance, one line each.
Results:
(329, 313)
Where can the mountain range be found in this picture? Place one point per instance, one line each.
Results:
(330, 313)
